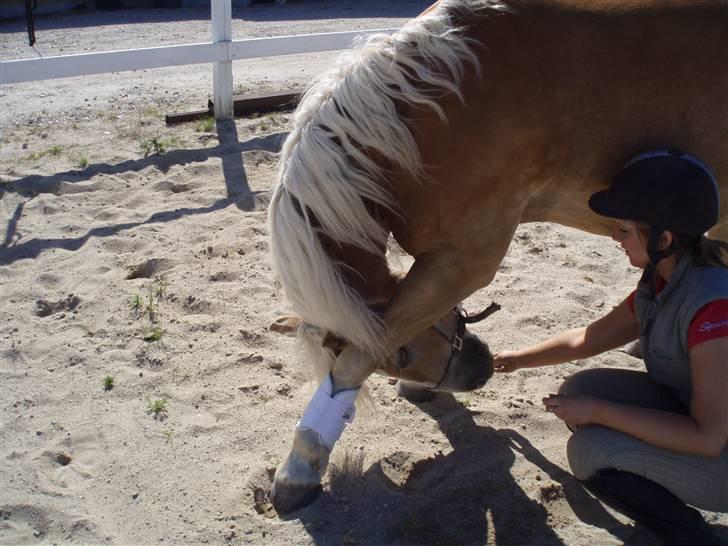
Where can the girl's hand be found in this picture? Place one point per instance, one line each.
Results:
(505, 362)
(573, 410)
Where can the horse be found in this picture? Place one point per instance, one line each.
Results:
(475, 117)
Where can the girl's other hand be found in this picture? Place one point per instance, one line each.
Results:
(573, 410)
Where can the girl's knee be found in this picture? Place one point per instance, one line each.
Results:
(580, 383)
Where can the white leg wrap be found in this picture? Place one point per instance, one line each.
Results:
(327, 415)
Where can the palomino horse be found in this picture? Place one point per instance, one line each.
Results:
(475, 117)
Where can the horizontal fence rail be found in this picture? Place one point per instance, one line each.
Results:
(84, 64)
(221, 52)
(66, 66)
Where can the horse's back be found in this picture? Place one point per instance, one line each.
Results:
(571, 89)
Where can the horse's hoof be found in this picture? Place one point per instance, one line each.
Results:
(414, 393)
(287, 498)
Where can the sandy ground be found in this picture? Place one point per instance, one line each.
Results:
(139, 252)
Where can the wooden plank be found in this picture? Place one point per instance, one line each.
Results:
(185, 117)
(267, 102)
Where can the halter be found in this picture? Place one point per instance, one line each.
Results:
(456, 340)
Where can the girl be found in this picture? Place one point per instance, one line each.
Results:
(650, 443)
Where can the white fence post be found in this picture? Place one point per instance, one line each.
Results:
(222, 72)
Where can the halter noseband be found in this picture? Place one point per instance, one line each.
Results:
(456, 341)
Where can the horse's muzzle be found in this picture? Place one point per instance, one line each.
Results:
(470, 369)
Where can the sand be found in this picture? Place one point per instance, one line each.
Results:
(152, 269)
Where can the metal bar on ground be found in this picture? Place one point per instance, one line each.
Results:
(222, 72)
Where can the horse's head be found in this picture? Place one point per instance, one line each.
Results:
(445, 357)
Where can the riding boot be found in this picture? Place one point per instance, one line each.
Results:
(651, 505)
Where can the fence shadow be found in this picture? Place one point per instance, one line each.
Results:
(229, 150)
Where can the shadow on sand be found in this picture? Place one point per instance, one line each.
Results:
(229, 150)
(467, 496)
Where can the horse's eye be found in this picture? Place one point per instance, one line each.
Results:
(402, 357)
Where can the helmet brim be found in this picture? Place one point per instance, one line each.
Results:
(603, 203)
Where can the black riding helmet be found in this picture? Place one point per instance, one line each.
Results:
(666, 189)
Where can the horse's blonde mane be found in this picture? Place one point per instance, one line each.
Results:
(347, 117)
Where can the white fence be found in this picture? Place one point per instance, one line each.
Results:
(222, 51)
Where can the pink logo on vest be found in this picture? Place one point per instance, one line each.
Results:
(710, 326)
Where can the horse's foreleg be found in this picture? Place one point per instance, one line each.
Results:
(431, 279)
(298, 480)
(437, 281)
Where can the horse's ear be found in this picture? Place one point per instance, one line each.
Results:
(333, 342)
(287, 325)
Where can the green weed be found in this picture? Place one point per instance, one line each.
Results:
(161, 289)
(157, 407)
(136, 303)
(151, 307)
(108, 383)
(159, 145)
(206, 125)
(152, 334)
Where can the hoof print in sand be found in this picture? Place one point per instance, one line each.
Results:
(259, 486)
(224, 276)
(149, 268)
(170, 186)
(404, 472)
(197, 306)
(23, 524)
(44, 308)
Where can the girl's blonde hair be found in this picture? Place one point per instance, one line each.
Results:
(703, 251)
(708, 252)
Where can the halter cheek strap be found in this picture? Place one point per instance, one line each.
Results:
(327, 416)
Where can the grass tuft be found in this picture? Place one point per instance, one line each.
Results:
(152, 334)
(159, 145)
(136, 303)
(206, 125)
(157, 407)
(161, 289)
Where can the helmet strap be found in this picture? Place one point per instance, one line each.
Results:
(656, 256)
